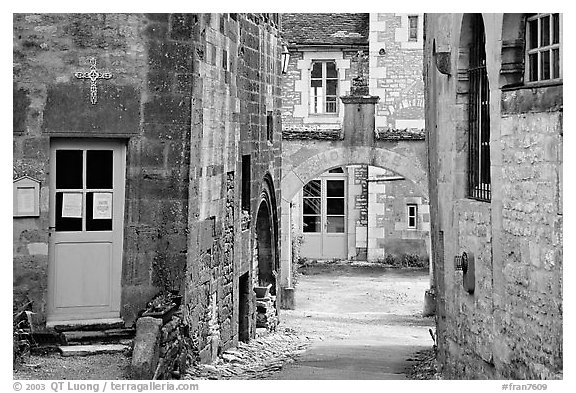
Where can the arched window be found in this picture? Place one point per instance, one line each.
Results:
(478, 115)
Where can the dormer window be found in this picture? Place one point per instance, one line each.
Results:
(543, 49)
(323, 87)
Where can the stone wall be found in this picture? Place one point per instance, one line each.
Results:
(388, 230)
(51, 102)
(236, 88)
(396, 72)
(510, 327)
(190, 94)
(295, 86)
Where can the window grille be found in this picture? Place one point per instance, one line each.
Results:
(478, 116)
(323, 87)
(544, 51)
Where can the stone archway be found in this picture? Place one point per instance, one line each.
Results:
(264, 246)
(318, 162)
(266, 232)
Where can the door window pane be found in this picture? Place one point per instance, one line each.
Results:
(94, 223)
(335, 188)
(69, 169)
(99, 165)
(312, 189)
(312, 205)
(335, 206)
(335, 224)
(311, 223)
(63, 220)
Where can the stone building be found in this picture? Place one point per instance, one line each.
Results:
(357, 211)
(494, 116)
(146, 159)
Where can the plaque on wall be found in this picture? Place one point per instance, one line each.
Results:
(26, 197)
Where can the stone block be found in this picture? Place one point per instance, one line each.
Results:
(146, 348)
(287, 298)
(69, 110)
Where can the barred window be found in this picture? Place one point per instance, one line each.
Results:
(323, 87)
(478, 116)
(544, 51)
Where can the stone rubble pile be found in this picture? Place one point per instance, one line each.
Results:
(257, 359)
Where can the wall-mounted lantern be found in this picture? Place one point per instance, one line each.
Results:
(285, 59)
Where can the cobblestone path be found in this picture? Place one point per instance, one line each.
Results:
(257, 359)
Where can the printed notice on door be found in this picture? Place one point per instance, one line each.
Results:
(72, 205)
(102, 209)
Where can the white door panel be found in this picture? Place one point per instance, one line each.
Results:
(87, 180)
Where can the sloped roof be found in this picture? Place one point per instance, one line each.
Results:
(325, 29)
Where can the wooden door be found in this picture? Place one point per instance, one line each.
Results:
(87, 181)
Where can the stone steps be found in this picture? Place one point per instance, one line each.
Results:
(74, 337)
(89, 324)
(93, 337)
(94, 349)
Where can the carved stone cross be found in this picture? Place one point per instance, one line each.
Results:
(93, 75)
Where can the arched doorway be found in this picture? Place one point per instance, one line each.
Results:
(265, 248)
(266, 236)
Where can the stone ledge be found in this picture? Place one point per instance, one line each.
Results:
(400, 134)
(313, 133)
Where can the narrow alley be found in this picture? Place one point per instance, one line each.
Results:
(365, 320)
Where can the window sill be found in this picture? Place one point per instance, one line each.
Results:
(478, 199)
(323, 114)
(533, 85)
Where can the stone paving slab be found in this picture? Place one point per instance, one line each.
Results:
(85, 350)
(257, 359)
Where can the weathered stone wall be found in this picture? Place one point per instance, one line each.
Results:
(190, 94)
(511, 326)
(236, 86)
(135, 105)
(296, 86)
(396, 72)
(388, 231)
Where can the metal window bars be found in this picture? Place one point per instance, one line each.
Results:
(479, 186)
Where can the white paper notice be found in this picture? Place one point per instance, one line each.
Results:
(72, 205)
(25, 200)
(102, 207)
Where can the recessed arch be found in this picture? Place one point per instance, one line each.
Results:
(266, 232)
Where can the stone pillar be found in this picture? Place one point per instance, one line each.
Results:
(286, 290)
